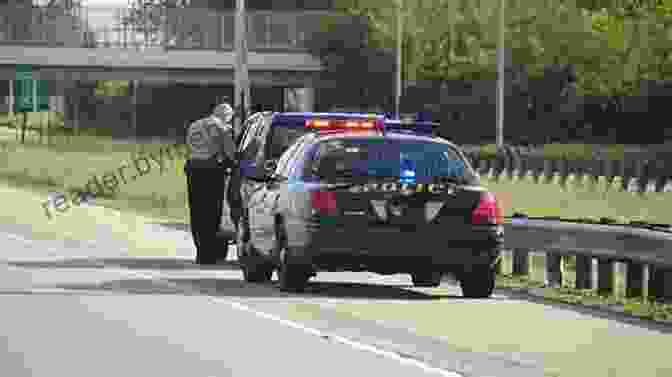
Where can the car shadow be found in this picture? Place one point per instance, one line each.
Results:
(229, 287)
(220, 286)
(127, 263)
(315, 289)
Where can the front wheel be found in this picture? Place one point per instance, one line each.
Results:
(479, 282)
(255, 268)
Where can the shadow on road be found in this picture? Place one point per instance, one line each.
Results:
(227, 287)
(219, 286)
(126, 263)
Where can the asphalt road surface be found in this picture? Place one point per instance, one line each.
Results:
(87, 309)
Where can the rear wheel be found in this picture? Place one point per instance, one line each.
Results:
(255, 268)
(479, 283)
(426, 279)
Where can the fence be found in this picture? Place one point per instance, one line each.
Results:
(601, 253)
(632, 175)
(173, 28)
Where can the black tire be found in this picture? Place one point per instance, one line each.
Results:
(292, 277)
(255, 268)
(479, 283)
(426, 279)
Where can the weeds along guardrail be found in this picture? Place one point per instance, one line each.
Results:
(640, 176)
(601, 254)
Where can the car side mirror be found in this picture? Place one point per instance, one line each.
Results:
(270, 166)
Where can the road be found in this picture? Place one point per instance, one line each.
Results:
(83, 309)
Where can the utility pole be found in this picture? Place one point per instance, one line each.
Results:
(241, 93)
(500, 76)
(397, 99)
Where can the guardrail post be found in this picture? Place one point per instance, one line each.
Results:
(620, 282)
(554, 270)
(521, 262)
(637, 280)
(586, 272)
(537, 266)
(605, 279)
(548, 172)
(562, 171)
(661, 283)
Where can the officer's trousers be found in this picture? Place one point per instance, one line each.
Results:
(206, 183)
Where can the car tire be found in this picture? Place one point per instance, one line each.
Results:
(479, 282)
(255, 268)
(426, 279)
(292, 276)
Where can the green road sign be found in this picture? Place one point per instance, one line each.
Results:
(30, 95)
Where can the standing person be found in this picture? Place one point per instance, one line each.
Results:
(212, 148)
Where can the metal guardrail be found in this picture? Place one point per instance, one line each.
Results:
(171, 28)
(601, 252)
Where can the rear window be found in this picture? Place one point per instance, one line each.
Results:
(422, 161)
(283, 138)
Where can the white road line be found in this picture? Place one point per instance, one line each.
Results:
(295, 325)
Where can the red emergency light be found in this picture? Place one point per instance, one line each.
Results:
(343, 125)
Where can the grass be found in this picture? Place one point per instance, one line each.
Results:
(579, 201)
(24, 207)
(571, 151)
(71, 164)
(58, 167)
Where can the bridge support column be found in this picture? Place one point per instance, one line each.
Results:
(299, 99)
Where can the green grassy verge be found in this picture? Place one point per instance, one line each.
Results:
(576, 151)
(65, 165)
(578, 201)
(71, 164)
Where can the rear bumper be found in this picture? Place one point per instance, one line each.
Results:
(331, 247)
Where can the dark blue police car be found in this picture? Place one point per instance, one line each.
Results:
(357, 192)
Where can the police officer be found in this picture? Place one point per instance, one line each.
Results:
(212, 148)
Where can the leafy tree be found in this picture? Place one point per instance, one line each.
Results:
(146, 16)
(347, 55)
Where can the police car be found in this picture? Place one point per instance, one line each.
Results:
(357, 192)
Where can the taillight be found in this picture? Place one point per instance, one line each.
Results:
(323, 202)
(488, 211)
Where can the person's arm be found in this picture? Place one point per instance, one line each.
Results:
(226, 142)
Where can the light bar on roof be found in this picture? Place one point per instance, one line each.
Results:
(331, 124)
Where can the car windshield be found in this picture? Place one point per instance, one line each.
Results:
(413, 160)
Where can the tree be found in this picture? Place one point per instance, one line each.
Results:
(347, 55)
(148, 16)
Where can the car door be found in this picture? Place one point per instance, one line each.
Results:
(246, 152)
(264, 203)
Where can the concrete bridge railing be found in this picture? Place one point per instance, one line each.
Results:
(176, 28)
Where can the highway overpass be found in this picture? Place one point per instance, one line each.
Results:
(157, 65)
